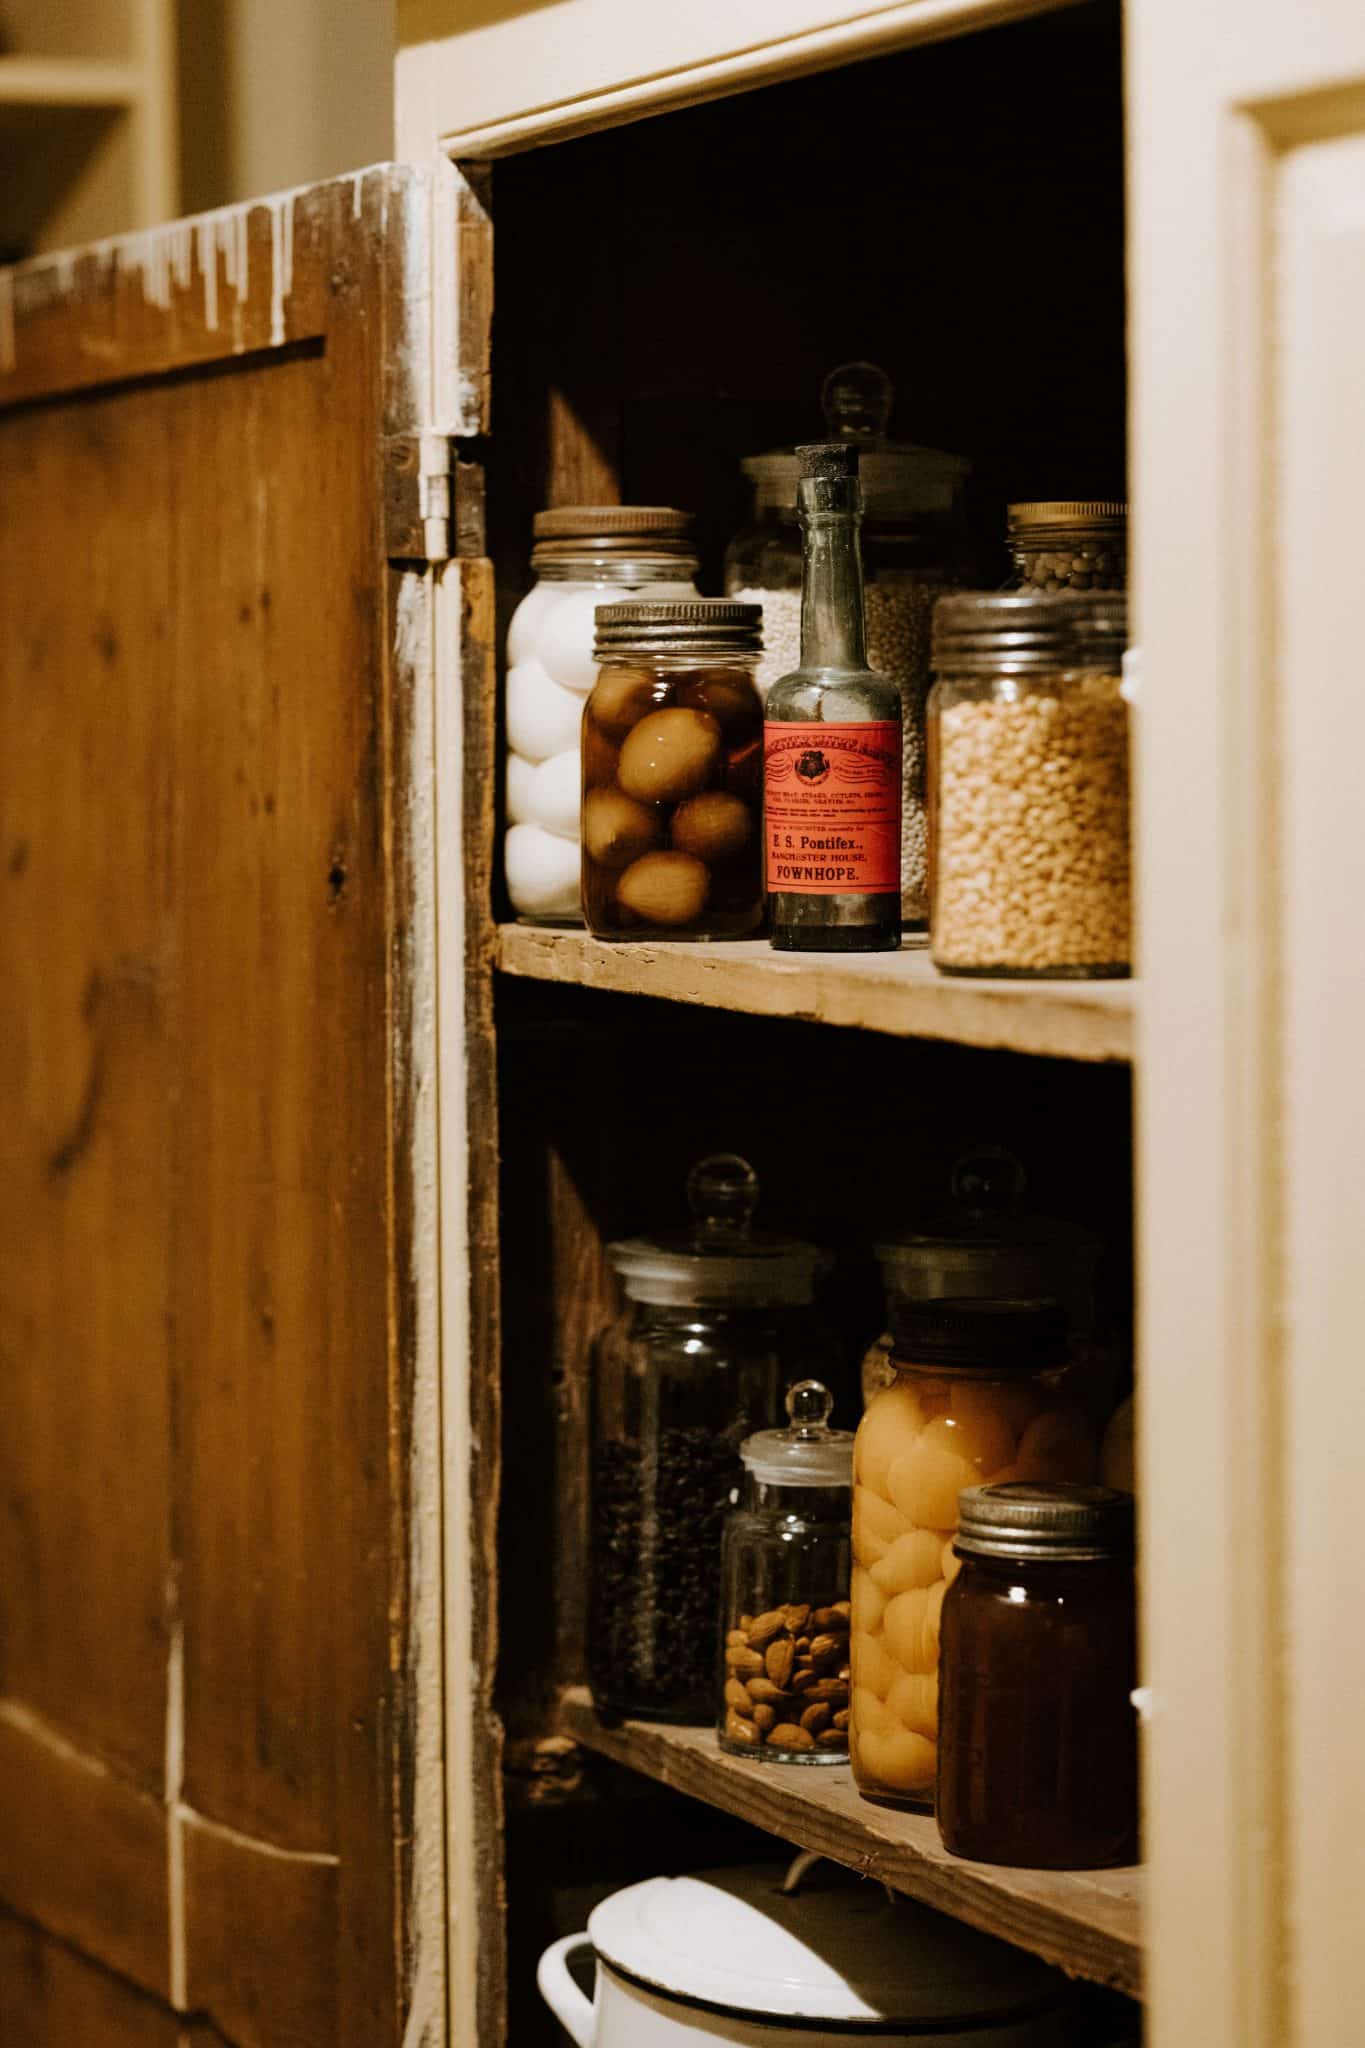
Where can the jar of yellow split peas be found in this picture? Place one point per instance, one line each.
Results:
(979, 1396)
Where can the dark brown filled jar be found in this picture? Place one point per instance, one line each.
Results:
(1037, 1733)
(672, 772)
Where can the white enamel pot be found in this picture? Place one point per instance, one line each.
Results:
(732, 1956)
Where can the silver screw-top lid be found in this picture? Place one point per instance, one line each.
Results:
(810, 1453)
(706, 625)
(1020, 632)
(1058, 1524)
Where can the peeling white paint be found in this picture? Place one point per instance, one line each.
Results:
(358, 193)
(426, 1989)
(281, 263)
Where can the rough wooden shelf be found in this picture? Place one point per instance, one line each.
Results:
(900, 993)
(1087, 1922)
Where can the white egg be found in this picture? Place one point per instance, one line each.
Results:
(556, 793)
(521, 633)
(564, 635)
(542, 872)
(542, 719)
(520, 776)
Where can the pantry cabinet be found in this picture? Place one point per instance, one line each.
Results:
(312, 1153)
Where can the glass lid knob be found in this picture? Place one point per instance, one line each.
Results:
(810, 1405)
(988, 1181)
(722, 1193)
(856, 400)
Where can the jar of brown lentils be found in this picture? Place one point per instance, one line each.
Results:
(673, 772)
(1069, 544)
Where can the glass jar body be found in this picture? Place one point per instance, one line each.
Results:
(1038, 1757)
(1030, 870)
(906, 568)
(675, 1392)
(1070, 554)
(784, 1679)
(925, 1438)
(550, 670)
(672, 778)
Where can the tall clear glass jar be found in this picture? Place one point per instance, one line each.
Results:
(583, 555)
(914, 545)
(672, 773)
(784, 1673)
(979, 1396)
(717, 1319)
(1030, 860)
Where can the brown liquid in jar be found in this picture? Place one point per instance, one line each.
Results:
(672, 794)
(1037, 1760)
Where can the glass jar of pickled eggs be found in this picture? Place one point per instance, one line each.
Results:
(672, 772)
(979, 1396)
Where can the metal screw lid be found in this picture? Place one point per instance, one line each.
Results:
(981, 1335)
(588, 522)
(1061, 1524)
(1066, 512)
(704, 624)
(1015, 632)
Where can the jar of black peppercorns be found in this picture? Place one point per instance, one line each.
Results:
(718, 1318)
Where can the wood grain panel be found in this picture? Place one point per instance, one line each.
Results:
(48, 1993)
(210, 1113)
(82, 1852)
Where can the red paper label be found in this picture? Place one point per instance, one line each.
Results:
(832, 808)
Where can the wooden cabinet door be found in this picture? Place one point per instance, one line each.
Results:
(1248, 269)
(221, 1809)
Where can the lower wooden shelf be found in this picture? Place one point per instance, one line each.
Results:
(898, 993)
(1086, 1922)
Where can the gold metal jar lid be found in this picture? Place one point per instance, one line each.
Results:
(610, 522)
(1050, 1524)
(1038, 513)
(710, 625)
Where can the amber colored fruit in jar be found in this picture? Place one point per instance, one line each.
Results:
(728, 699)
(669, 754)
(665, 888)
(714, 825)
(600, 756)
(617, 829)
(621, 697)
(922, 1440)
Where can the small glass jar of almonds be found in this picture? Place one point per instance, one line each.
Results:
(784, 1675)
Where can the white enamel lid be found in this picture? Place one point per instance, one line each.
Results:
(840, 1949)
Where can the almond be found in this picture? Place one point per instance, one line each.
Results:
(778, 1659)
(804, 1681)
(764, 1627)
(832, 1738)
(738, 1730)
(840, 1719)
(764, 1690)
(796, 1616)
(828, 1617)
(803, 1646)
(817, 1717)
(834, 1689)
(736, 1696)
(741, 1658)
(736, 1635)
(787, 1735)
(765, 1717)
(824, 1648)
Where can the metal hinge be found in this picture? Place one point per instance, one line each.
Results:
(433, 502)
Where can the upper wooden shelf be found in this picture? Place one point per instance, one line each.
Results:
(27, 81)
(900, 993)
(1086, 1922)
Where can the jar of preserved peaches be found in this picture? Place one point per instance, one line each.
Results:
(979, 1396)
(672, 772)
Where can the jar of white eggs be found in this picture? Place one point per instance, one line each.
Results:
(583, 555)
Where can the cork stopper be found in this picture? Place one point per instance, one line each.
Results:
(828, 461)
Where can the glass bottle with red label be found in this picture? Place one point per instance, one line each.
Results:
(832, 744)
